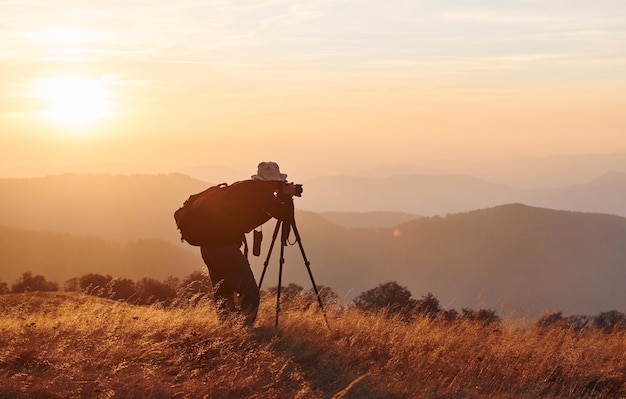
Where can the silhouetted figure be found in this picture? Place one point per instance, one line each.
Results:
(249, 204)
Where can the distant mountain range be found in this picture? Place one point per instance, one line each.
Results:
(368, 219)
(508, 256)
(430, 195)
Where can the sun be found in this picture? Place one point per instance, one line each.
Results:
(75, 101)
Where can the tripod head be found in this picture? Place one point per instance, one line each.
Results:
(286, 192)
(290, 190)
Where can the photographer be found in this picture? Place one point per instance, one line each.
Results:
(249, 204)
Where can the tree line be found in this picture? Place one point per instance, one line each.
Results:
(390, 299)
(146, 291)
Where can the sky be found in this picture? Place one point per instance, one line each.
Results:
(319, 86)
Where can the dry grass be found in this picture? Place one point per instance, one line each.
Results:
(71, 346)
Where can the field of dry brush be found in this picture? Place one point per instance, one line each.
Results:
(62, 345)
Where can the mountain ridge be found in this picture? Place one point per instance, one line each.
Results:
(429, 195)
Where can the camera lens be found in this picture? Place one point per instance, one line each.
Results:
(298, 190)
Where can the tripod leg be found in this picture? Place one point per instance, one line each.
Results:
(308, 267)
(280, 275)
(269, 252)
(286, 229)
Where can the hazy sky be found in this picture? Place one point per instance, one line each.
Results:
(316, 85)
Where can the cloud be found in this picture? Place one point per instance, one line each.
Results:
(317, 41)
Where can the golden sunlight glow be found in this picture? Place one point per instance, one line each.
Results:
(75, 101)
(63, 36)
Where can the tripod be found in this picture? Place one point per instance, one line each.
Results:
(286, 229)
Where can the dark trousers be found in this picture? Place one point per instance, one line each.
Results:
(230, 274)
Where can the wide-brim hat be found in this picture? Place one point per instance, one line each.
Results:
(269, 171)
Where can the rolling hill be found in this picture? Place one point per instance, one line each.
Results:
(118, 207)
(61, 256)
(519, 257)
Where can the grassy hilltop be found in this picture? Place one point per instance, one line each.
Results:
(69, 345)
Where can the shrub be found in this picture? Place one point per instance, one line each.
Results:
(28, 282)
(608, 321)
(578, 322)
(482, 316)
(102, 286)
(330, 298)
(449, 315)
(428, 306)
(292, 296)
(390, 297)
(121, 289)
(4, 288)
(150, 291)
(94, 284)
(549, 319)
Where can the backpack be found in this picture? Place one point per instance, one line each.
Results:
(200, 218)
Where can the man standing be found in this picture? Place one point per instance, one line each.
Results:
(249, 204)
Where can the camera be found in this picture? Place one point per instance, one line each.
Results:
(291, 190)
